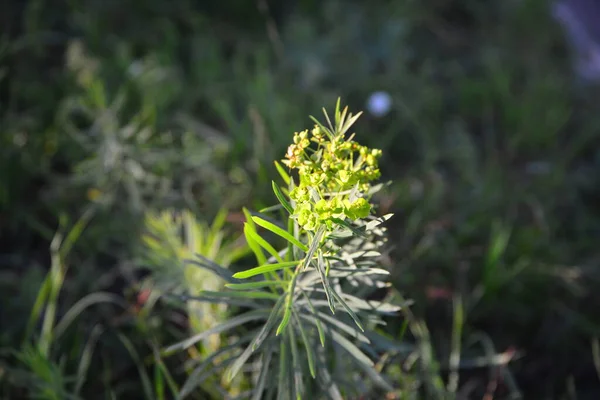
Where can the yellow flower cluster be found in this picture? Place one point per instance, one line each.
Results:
(332, 177)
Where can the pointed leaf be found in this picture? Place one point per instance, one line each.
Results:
(364, 362)
(329, 121)
(248, 231)
(344, 327)
(280, 232)
(197, 376)
(284, 377)
(284, 175)
(297, 368)
(229, 324)
(328, 132)
(350, 122)
(233, 370)
(307, 345)
(378, 221)
(264, 332)
(264, 371)
(263, 269)
(317, 321)
(282, 198)
(252, 285)
(325, 282)
(211, 266)
(289, 303)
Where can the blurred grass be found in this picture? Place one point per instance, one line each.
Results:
(491, 143)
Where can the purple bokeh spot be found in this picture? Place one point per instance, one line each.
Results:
(581, 21)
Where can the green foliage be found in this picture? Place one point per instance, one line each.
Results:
(138, 107)
(321, 265)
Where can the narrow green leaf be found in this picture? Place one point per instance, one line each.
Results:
(284, 378)
(198, 375)
(373, 305)
(329, 121)
(326, 381)
(159, 384)
(350, 347)
(349, 310)
(307, 345)
(297, 368)
(337, 113)
(350, 122)
(289, 302)
(81, 305)
(264, 371)
(229, 324)
(263, 269)
(211, 266)
(328, 132)
(348, 329)
(256, 342)
(325, 282)
(239, 295)
(314, 245)
(282, 198)
(262, 242)
(357, 231)
(284, 175)
(280, 232)
(317, 321)
(270, 209)
(364, 362)
(264, 332)
(256, 249)
(146, 382)
(252, 285)
(376, 222)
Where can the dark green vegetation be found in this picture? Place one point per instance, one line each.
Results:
(111, 109)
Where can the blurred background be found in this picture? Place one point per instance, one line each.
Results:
(112, 112)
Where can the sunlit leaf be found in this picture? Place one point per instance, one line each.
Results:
(263, 269)
(282, 198)
(252, 285)
(289, 303)
(250, 232)
(280, 232)
(284, 175)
